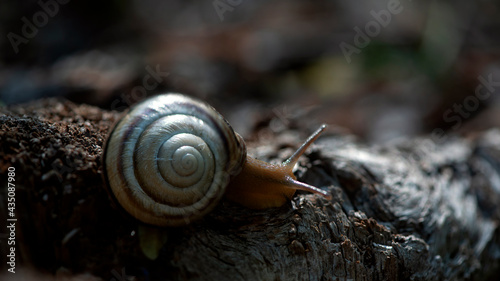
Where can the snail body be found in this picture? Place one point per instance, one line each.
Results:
(262, 185)
(171, 158)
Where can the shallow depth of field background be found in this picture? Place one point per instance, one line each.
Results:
(419, 67)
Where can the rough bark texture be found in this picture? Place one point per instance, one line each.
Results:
(411, 210)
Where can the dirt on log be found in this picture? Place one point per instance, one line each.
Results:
(408, 210)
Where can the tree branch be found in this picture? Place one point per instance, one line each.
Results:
(415, 209)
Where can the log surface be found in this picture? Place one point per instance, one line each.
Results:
(408, 210)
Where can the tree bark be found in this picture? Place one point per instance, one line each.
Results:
(409, 210)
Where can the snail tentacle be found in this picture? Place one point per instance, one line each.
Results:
(290, 162)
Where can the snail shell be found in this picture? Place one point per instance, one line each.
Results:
(169, 160)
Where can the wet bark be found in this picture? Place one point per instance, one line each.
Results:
(416, 209)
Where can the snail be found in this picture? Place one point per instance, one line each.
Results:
(171, 158)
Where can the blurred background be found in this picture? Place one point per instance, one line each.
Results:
(380, 69)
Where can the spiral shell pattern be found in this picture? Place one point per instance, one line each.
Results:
(169, 160)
